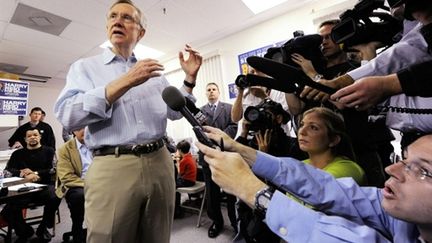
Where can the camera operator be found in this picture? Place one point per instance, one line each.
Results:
(262, 129)
(407, 114)
(250, 96)
(412, 81)
(358, 128)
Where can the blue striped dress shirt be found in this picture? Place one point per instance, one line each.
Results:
(139, 116)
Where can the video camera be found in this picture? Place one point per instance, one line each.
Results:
(306, 45)
(357, 25)
(260, 117)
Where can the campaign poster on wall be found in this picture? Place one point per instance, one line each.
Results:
(244, 67)
(13, 97)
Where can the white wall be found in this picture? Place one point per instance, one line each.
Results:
(272, 31)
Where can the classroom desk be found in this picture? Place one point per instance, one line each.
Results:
(14, 195)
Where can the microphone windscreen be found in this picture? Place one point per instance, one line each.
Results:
(275, 69)
(271, 83)
(173, 98)
(283, 72)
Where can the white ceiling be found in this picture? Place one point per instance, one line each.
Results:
(197, 22)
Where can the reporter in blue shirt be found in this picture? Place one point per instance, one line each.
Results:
(400, 212)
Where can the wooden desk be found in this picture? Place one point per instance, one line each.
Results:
(15, 194)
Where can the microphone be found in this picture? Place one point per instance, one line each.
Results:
(271, 83)
(197, 113)
(177, 102)
(283, 73)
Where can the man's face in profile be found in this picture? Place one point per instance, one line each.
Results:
(408, 192)
(328, 47)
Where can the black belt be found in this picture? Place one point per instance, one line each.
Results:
(130, 149)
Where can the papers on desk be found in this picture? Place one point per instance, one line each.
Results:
(11, 179)
(17, 187)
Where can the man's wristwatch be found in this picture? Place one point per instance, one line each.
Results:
(187, 84)
(317, 77)
(262, 200)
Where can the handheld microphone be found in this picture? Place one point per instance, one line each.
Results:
(197, 113)
(177, 102)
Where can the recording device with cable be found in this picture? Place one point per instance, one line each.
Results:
(363, 24)
(177, 102)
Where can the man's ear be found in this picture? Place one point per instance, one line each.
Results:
(141, 34)
(336, 141)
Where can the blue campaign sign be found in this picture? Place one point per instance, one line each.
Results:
(13, 107)
(233, 91)
(244, 67)
(16, 89)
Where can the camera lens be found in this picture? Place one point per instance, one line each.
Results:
(252, 114)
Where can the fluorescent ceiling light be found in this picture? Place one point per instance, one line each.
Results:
(140, 51)
(258, 6)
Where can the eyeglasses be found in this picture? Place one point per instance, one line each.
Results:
(126, 18)
(416, 170)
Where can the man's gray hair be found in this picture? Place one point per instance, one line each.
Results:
(142, 18)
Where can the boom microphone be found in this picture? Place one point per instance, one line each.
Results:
(271, 83)
(285, 73)
(177, 102)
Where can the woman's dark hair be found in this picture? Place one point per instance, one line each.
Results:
(335, 127)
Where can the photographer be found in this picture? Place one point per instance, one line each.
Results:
(250, 96)
(358, 128)
(408, 114)
(264, 122)
(262, 130)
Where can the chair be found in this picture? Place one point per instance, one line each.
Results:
(7, 233)
(34, 220)
(198, 188)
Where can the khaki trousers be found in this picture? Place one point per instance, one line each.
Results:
(130, 199)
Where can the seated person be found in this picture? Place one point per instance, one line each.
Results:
(73, 161)
(187, 172)
(322, 135)
(400, 212)
(35, 164)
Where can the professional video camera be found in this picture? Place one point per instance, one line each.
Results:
(260, 117)
(358, 25)
(307, 45)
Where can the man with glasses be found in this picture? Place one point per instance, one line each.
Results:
(129, 188)
(343, 211)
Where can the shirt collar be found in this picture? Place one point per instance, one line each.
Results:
(108, 56)
(216, 104)
(79, 145)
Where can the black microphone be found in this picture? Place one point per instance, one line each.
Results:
(284, 73)
(271, 83)
(197, 113)
(177, 102)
